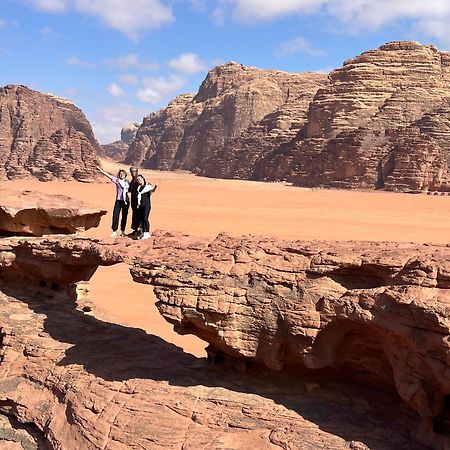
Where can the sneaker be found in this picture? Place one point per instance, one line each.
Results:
(122, 233)
(139, 234)
(146, 235)
(114, 234)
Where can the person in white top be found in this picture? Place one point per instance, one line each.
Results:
(144, 192)
(121, 204)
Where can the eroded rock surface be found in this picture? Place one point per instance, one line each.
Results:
(235, 109)
(382, 121)
(29, 213)
(373, 314)
(93, 385)
(44, 136)
(118, 150)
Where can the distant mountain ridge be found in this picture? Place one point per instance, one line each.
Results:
(382, 120)
(44, 136)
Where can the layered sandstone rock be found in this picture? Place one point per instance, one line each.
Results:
(118, 150)
(84, 383)
(28, 213)
(373, 313)
(44, 136)
(382, 121)
(236, 109)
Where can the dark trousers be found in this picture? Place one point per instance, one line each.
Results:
(119, 206)
(144, 212)
(135, 217)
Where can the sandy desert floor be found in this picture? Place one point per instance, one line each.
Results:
(206, 207)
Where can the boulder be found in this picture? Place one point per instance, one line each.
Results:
(29, 213)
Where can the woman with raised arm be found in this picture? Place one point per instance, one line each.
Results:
(144, 193)
(121, 204)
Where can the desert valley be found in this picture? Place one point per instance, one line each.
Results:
(294, 292)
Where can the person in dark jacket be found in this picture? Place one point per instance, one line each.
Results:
(135, 220)
(144, 193)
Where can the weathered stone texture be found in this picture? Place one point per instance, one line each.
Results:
(236, 108)
(382, 121)
(35, 214)
(44, 136)
(88, 384)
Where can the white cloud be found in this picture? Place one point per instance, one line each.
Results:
(157, 88)
(132, 60)
(48, 31)
(189, 63)
(297, 45)
(107, 122)
(75, 61)
(430, 17)
(198, 5)
(115, 90)
(51, 5)
(255, 10)
(118, 14)
(129, 78)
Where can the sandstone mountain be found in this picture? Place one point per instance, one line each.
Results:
(235, 106)
(118, 150)
(382, 121)
(44, 136)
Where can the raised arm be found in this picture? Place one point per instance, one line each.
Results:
(105, 173)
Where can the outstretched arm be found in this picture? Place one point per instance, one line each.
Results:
(105, 173)
(154, 189)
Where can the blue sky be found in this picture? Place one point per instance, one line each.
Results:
(119, 60)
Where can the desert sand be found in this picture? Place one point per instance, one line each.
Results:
(206, 207)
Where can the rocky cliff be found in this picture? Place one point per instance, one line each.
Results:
(324, 315)
(44, 136)
(237, 110)
(118, 150)
(381, 121)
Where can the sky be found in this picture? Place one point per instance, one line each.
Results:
(119, 60)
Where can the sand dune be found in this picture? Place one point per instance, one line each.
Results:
(206, 207)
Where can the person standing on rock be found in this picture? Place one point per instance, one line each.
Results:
(135, 220)
(121, 204)
(144, 193)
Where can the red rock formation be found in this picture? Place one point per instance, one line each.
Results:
(382, 121)
(118, 150)
(374, 313)
(44, 136)
(84, 383)
(29, 213)
(236, 108)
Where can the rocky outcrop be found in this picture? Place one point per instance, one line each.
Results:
(382, 121)
(28, 213)
(44, 136)
(373, 313)
(236, 108)
(84, 383)
(118, 150)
